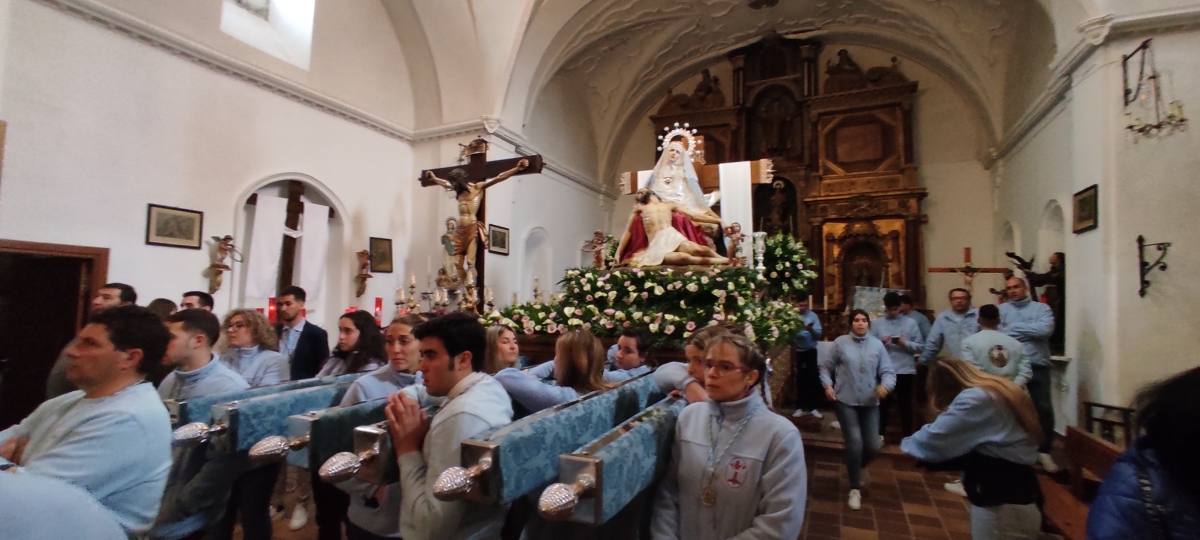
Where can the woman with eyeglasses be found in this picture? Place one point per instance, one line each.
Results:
(737, 468)
(374, 511)
(252, 350)
(990, 427)
(865, 376)
(359, 346)
(578, 369)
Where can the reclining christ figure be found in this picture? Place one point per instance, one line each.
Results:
(665, 234)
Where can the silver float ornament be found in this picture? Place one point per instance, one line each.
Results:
(275, 448)
(195, 433)
(455, 482)
(340, 467)
(559, 500)
(760, 250)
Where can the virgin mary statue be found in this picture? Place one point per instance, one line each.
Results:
(674, 180)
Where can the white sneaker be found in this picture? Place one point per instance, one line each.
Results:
(799, 413)
(299, 517)
(835, 425)
(1048, 463)
(817, 414)
(955, 487)
(855, 500)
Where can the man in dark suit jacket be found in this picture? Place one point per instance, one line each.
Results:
(305, 344)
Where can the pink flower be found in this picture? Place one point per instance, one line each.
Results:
(691, 326)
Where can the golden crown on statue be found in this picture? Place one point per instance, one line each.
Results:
(684, 131)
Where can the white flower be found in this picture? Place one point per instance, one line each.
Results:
(637, 314)
(587, 286)
(774, 275)
(692, 287)
(670, 329)
(658, 291)
(620, 315)
(647, 318)
(653, 328)
(568, 311)
(704, 280)
(574, 322)
(683, 304)
(729, 285)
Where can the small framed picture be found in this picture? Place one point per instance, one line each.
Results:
(1085, 210)
(498, 239)
(174, 227)
(381, 255)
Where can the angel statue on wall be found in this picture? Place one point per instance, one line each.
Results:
(364, 272)
(598, 247)
(225, 251)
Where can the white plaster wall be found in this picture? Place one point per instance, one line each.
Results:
(561, 126)
(1155, 194)
(356, 56)
(100, 125)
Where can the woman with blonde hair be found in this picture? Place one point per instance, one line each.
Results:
(502, 349)
(251, 348)
(990, 427)
(578, 369)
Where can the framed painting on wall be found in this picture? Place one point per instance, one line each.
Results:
(174, 227)
(1085, 214)
(498, 239)
(381, 255)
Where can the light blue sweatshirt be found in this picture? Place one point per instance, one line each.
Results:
(902, 356)
(36, 507)
(922, 322)
(1031, 323)
(805, 340)
(618, 375)
(384, 518)
(197, 487)
(949, 329)
(259, 366)
(974, 421)
(673, 376)
(475, 405)
(999, 354)
(861, 364)
(118, 448)
(528, 390)
(337, 366)
(760, 480)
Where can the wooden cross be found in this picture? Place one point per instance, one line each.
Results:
(295, 207)
(967, 270)
(478, 169)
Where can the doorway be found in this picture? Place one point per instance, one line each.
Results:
(44, 292)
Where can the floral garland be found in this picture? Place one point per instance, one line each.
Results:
(789, 267)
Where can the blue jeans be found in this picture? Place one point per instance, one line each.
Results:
(860, 430)
(1039, 391)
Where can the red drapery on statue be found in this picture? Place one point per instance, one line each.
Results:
(638, 240)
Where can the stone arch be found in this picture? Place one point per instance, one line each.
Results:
(537, 261)
(1051, 236)
(337, 270)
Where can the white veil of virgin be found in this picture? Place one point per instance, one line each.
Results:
(674, 179)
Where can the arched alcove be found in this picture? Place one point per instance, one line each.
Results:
(324, 301)
(536, 263)
(1050, 235)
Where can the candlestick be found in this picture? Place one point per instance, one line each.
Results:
(412, 280)
(400, 296)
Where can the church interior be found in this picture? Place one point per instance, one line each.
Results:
(396, 157)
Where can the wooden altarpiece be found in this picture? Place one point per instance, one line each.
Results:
(866, 216)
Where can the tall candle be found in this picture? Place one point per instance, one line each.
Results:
(271, 309)
(378, 310)
(967, 255)
(412, 280)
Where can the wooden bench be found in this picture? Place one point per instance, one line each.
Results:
(1090, 459)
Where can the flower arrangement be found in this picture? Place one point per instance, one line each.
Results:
(789, 267)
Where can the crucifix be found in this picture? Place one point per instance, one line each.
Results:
(967, 270)
(734, 195)
(295, 207)
(469, 183)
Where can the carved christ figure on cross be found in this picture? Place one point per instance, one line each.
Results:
(470, 230)
(967, 270)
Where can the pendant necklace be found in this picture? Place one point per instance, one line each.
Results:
(708, 496)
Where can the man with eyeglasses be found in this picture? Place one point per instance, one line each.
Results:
(951, 327)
